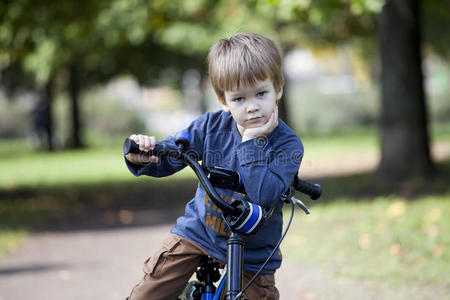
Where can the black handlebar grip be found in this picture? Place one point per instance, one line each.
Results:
(313, 190)
(129, 146)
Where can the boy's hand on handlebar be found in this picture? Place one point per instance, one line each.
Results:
(263, 130)
(145, 143)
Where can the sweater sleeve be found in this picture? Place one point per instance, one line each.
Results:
(267, 168)
(167, 166)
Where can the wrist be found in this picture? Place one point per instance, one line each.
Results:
(250, 137)
(246, 138)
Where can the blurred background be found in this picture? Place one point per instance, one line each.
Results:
(367, 90)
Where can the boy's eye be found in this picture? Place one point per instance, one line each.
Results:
(238, 99)
(261, 94)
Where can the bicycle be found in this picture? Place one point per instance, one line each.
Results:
(243, 218)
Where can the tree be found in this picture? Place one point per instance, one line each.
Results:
(42, 37)
(91, 41)
(404, 121)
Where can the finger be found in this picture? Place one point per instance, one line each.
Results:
(133, 158)
(134, 138)
(152, 142)
(276, 115)
(141, 142)
(272, 116)
(146, 143)
(269, 122)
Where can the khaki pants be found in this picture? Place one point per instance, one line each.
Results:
(170, 268)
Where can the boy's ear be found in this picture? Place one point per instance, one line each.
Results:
(280, 93)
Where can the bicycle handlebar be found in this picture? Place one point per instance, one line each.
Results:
(313, 190)
(129, 146)
(210, 177)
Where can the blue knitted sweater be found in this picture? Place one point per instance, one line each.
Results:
(267, 166)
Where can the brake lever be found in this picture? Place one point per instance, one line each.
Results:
(300, 204)
(288, 197)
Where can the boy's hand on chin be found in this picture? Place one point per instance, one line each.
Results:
(263, 130)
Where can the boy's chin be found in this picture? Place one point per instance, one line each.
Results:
(251, 127)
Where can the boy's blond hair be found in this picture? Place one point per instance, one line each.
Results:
(244, 59)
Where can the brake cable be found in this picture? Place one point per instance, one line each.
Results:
(270, 256)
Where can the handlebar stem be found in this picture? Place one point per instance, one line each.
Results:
(207, 186)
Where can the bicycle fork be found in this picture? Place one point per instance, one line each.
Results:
(235, 265)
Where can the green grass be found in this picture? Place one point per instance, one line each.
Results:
(386, 239)
(10, 240)
(391, 236)
(441, 132)
(21, 168)
(342, 143)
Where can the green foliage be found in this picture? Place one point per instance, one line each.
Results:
(47, 36)
(320, 22)
(101, 38)
(436, 15)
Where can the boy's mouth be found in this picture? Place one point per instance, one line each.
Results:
(254, 119)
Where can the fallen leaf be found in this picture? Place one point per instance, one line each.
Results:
(364, 241)
(396, 209)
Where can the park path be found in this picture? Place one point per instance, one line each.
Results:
(104, 264)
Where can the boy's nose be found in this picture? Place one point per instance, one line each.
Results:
(252, 107)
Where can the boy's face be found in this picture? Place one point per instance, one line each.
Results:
(252, 106)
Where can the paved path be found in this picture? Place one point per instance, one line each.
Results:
(92, 264)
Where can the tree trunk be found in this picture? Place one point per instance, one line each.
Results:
(74, 90)
(403, 124)
(42, 116)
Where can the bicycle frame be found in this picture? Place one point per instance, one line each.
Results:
(231, 282)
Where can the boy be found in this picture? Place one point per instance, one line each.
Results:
(245, 136)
